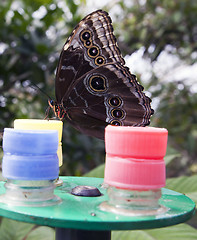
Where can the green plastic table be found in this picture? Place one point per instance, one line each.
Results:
(81, 218)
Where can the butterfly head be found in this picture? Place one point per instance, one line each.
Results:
(57, 108)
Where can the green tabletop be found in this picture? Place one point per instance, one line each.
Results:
(84, 213)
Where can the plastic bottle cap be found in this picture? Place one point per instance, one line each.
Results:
(137, 142)
(30, 167)
(134, 157)
(30, 154)
(39, 124)
(35, 142)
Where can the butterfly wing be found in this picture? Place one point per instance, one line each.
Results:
(109, 95)
(90, 45)
(92, 83)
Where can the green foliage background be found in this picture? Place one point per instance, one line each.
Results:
(31, 37)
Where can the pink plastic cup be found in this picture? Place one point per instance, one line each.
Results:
(134, 157)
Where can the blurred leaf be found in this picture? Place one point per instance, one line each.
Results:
(178, 232)
(96, 172)
(171, 154)
(169, 158)
(42, 233)
(14, 230)
(185, 185)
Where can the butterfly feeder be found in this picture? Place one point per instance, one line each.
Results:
(131, 195)
(93, 89)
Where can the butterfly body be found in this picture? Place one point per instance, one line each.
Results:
(93, 87)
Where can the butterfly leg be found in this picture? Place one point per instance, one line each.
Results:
(47, 112)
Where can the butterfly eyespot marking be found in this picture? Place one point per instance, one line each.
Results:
(97, 83)
(115, 101)
(86, 38)
(99, 61)
(116, 123)
(117, 113)
(93, 52)
(88, 43)
(85, 35)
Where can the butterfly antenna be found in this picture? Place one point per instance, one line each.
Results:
(34, 86)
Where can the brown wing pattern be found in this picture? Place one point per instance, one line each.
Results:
(93, 86)
(76, 59)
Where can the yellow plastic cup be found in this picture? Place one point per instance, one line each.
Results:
(39, 124)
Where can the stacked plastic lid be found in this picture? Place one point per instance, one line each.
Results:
(41, 124)
(30, 154)
(135, 157)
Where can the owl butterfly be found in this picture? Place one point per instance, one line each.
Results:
(93, 87)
